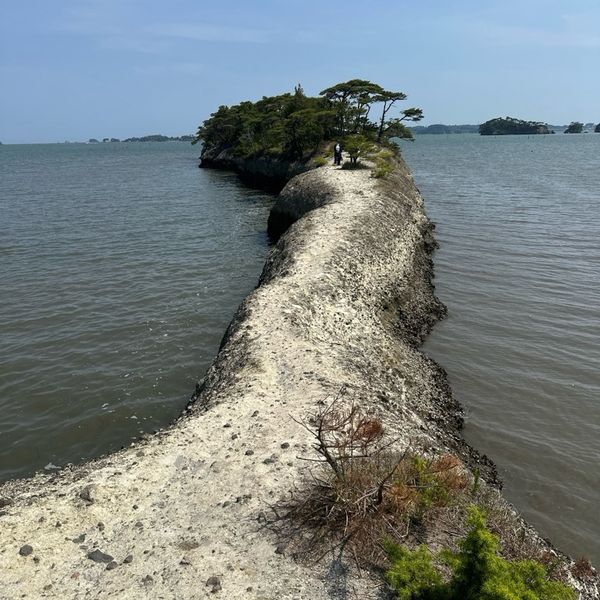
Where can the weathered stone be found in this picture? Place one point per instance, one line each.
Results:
(99, 556)
(214, 582)
(88, 493)
(25, 550)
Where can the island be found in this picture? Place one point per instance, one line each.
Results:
(146, 138)
(513, 126)
(574, 127)
(269, 141)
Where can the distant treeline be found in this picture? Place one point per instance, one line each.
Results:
(438, 128)
(146, 138)
(507, 126)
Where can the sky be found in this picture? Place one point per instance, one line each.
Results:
(79, 69)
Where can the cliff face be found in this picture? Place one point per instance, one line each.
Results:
(344, 302)
(261, 171)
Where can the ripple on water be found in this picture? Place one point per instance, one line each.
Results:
(121, 266)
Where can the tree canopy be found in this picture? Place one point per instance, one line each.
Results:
(574, 127)
(293, 125)
(597, 128)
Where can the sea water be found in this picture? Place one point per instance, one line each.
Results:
(518, 222)
(121, 266)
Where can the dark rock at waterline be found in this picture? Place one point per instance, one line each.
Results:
(261, 171)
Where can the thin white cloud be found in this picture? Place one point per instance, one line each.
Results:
(569, 37)
(119, 29)
(209, 33)
(190, 68)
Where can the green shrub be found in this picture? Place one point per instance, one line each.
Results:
(358, 146)
(478, 572)
(413, 575)
(382, 169)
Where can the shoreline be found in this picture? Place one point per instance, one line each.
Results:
(344, 299)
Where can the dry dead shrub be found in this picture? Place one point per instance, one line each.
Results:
(363, 489)
(582, 569)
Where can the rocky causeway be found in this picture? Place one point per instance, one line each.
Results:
(344, 302)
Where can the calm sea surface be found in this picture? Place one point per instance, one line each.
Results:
(121, 266)
(518, 220)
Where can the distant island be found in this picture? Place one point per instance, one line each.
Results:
(574, 127)
(146, 138)
(439, 128)
(512, 126)
(506, 126)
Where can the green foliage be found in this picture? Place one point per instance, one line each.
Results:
(413, 575)
(431, 489)
(382, 169)
(574, 127)
(353, 100)
(512, 126)
(358, 146)
(597, 128)
(293, 125)
(479, 573)
(289, 125)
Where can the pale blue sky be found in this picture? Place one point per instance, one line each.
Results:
(75, 69)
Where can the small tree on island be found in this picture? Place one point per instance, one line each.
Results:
(358, 146)
(352, 102)
(597, 128)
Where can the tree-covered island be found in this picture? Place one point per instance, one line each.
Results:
(574, 127)
(512, 126)
(293, 126)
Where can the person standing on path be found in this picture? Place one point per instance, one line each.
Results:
(337, 154)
